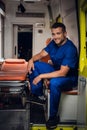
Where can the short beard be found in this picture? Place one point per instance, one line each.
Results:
(59, 44)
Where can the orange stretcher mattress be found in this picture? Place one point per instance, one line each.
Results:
(13, 70)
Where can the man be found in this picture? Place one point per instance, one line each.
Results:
(63, 74)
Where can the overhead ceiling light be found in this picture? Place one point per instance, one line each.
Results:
(31, 0)
(27, 0)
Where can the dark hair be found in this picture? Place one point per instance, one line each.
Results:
(56, 25)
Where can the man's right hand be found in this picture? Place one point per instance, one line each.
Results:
(30, 66)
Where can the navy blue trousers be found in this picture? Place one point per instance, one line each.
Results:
(56, 85)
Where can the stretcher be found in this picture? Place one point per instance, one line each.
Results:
(14, 109)
(13, 83)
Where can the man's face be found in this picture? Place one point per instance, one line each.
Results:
(58, 35)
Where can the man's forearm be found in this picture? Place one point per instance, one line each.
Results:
(39, 56)
(36, 57)
(58, 73)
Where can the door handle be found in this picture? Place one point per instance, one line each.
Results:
(15, 50)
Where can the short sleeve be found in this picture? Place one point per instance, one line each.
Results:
(70, 57)
(49, 47)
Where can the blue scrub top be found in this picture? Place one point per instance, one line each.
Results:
(65, 54)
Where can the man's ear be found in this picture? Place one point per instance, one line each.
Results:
(65, 33)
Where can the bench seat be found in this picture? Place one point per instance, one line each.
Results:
(70, 92)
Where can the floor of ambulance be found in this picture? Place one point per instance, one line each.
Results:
(37, 116)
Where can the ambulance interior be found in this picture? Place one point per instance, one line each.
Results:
(24, 30)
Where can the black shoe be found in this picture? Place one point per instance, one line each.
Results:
(37, 99)
(52, 122)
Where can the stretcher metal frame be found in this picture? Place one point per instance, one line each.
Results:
(13, 84)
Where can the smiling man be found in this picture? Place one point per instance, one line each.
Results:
(63, 73)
